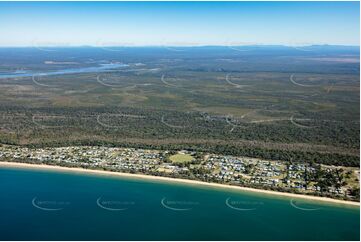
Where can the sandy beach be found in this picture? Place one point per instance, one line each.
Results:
(173, 180)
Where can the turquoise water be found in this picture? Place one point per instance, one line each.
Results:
(48, 205)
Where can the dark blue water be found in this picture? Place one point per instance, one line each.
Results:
(44, 205)
(101, 68)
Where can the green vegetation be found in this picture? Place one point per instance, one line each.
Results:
(181, 158)
(212, 100)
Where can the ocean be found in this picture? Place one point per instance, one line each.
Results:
(51, 205)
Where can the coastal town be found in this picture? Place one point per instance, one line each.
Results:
(305, 178)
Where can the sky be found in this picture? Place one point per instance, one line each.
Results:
(178, 23)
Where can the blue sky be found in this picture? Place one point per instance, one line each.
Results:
(178, 23)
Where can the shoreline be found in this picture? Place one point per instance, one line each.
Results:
(175, 180)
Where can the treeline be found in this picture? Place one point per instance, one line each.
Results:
(159, 124)
(334, 143)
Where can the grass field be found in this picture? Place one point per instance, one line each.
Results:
(181, 158)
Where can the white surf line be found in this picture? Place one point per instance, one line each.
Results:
(183, 181)
(111, 85)
(236, 208)
(167, 83)
(231, 83)
(117, 115)
(298, 84)
(40, 84)
(300, 125)
(300, 208)
(47, 126)
(172, 126)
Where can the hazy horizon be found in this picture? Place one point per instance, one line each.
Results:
(26, 24)
(183, 46)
